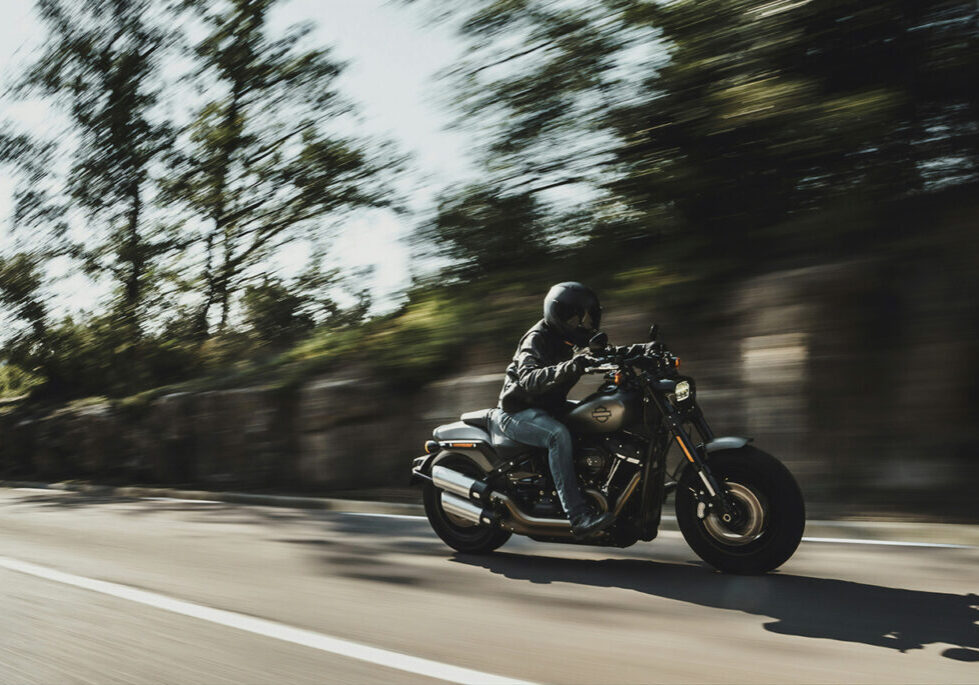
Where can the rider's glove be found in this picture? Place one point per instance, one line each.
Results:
(652, 349)
(649, 349)
(583, 362)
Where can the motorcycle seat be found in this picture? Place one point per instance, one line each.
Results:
(504, 447)
(479, 419)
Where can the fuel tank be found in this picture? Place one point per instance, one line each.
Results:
(604, 412)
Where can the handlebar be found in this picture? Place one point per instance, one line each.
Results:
(613, 360)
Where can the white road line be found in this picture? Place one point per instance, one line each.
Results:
(46, 491)
(677, 534)
(184, 501)
(272, 629)
(891, 543)
(383, 516)
(666, 517)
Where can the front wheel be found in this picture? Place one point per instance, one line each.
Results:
(458, 534)
(771, 513)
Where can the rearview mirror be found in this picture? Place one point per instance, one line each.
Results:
(653, 332)
(598, 343)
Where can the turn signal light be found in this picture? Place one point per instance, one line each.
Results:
(617, 379)
(431, 447)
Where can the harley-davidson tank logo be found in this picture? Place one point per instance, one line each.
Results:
(601, 413)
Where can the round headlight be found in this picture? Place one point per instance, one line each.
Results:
(682, 391)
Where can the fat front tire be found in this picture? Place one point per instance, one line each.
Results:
(461, 535)
(772, 513)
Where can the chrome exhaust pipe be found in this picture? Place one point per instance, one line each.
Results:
(462, 496)
(525, 524)
(466, 510)
(452, 481)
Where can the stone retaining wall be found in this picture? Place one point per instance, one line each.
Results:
(795, 360)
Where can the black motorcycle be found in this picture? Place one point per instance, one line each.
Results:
(738, 507)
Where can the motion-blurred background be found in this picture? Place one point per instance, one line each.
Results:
(241, 249)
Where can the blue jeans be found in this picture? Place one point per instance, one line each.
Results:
(537, 428)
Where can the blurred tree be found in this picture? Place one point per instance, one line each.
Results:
(258, 163)
(766, 110)
(717, 120)
(20, 294)
(484, 231)
(280, 313)
(274, 312)
(100, 62)
(537, 77)
(319, 288)
(35, 205)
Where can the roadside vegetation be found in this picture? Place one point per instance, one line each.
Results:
(659, 151)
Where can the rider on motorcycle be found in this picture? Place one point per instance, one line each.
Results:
(543, 371)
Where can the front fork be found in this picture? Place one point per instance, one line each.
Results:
(715, 495)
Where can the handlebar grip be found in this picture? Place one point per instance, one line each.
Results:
(601, 369)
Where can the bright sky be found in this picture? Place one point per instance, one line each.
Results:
(393, 58)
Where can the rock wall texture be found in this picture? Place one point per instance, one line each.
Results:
(862, 380)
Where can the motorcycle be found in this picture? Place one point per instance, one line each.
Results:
(738, 508)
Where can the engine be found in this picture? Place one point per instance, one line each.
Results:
(604, 465)
(596, 457)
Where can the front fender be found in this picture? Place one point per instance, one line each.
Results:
(728, 442)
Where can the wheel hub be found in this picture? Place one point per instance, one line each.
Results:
(748, 522)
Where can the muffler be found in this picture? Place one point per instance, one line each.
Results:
(452, 481)
(458, 488)
(466, 510)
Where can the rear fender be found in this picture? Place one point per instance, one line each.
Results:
(475, 455)
(421, 467)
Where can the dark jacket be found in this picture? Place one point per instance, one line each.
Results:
(541, 373)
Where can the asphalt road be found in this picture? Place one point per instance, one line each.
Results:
(147, 591)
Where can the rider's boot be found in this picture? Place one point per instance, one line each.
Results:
(589, 522)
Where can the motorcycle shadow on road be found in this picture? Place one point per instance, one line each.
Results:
(804, 606)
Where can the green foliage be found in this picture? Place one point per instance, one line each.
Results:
(485, 231)
(258, 162)
(704, 135)
(15, 382)
(422, 342)
(274, 312)
(100, 63)
(432, 336)
(537, 77)
(20, 286)
(709, 123)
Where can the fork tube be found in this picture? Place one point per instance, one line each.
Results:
(688, 447)
(700, 423)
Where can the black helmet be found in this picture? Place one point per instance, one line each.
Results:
(573, 311)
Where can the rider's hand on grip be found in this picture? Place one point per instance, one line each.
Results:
(583, 362)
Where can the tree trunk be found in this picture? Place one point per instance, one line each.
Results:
(218, 287)
(201, 327)
(133, 254)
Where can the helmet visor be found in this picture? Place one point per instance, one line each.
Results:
(592, 319)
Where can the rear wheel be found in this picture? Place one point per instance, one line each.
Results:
(459, 534)
(770, 513)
